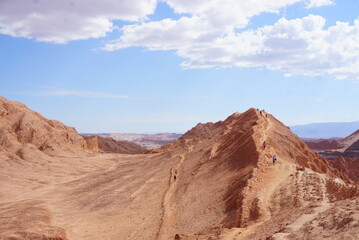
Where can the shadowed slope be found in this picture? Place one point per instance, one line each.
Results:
(347, 166)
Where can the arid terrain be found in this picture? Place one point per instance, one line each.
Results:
(215, 182)
(331, 148)
(110, 145)
(342, 154)
(148, 141)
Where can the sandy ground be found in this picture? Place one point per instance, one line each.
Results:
(98, 197)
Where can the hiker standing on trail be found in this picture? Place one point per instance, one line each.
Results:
(264, 145)
(274, 159)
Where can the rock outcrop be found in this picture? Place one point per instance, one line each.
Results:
(23, 130)
(348, 166)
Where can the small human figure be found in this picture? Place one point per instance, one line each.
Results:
(260, 112)
(264, 145)
(274, 159)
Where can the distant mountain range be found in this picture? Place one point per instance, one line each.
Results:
(149, 141)
(325, 130)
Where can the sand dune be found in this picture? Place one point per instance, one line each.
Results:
(216, 182)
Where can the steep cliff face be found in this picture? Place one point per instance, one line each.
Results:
(352, 151)
(349, 140)
(348, 166)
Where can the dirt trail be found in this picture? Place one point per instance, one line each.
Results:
(167, 228)
(274, 174)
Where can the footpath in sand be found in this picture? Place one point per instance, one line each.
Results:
(167, 228)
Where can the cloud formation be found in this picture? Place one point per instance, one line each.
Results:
(66, 20)
(300, 46)
(210, 33)
(319, 3)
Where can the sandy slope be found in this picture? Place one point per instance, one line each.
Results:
(226, 187)
(114, 197)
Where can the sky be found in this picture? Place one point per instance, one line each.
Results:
(147, 66)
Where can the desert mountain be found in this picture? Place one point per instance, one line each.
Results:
(331, 148)
(24, 131)
(323, 144)
(350, 145)
(348, 166)
(343, 154)
(27, 133)
(230, 155)
(215, 182)
(110, 145)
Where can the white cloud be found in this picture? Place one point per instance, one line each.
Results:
(210, 34)
(228, 13)
(297, 47)
(67, 20)
(84, 94)
(60, 21)
(319, 3)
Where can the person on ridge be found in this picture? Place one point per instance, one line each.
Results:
(264, 145)
(274, 159)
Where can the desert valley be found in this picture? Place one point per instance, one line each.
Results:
(217, 181)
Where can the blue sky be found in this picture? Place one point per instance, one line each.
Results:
(147, 66)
